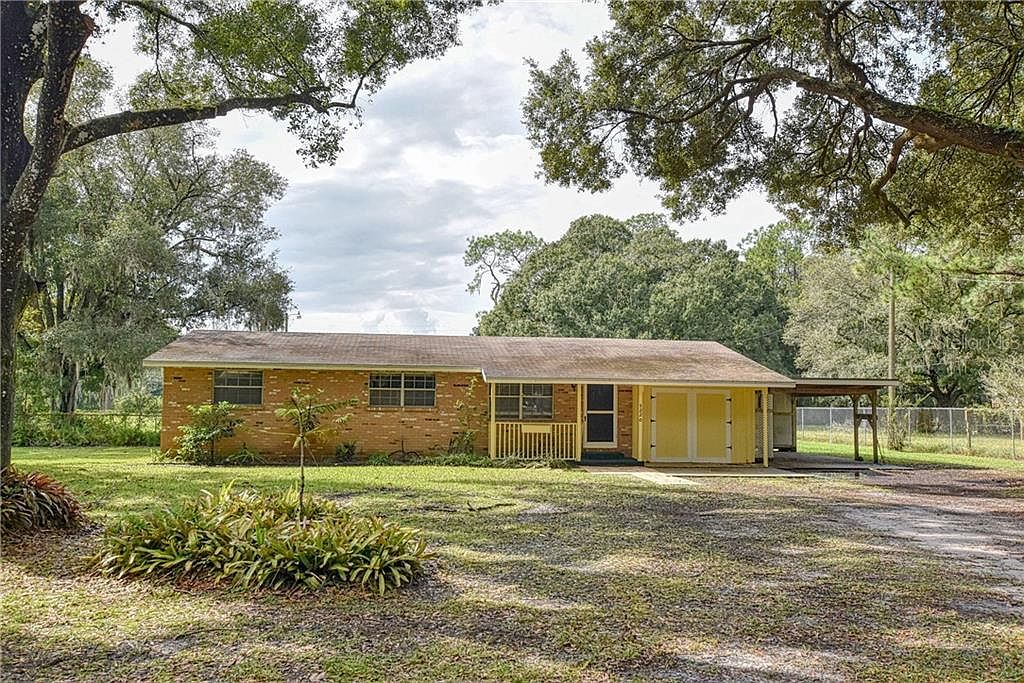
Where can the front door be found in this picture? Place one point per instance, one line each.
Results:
(600, 416)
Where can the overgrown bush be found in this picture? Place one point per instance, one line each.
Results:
(379, 458)
(34, 500)
(895, 431)
(926, 422)
(251, 540)
(198, 441)
(85, 429)
(139, 402)
(345, 452)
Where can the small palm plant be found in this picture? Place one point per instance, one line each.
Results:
(306, 413)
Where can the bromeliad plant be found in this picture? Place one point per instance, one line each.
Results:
(249, 540)
(34, 500)
(306, 414)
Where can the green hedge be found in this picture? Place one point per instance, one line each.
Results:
(86, 429)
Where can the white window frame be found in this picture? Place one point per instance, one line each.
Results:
(217, 371)
(520, 396)
(401, 389)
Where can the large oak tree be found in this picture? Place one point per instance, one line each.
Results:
(855, 112)
(139, 236)
(307, 63)
(636, 279)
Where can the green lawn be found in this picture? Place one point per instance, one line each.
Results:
(912, 458)
(572, 577)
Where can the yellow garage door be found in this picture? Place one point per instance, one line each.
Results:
(712, 427)
(690, 425)
(669, 426)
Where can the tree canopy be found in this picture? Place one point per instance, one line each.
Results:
(639, 279)
(307, 64)
(140, 236)
(951, 328)
(856, 113)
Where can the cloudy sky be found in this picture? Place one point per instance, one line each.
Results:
(375, 242)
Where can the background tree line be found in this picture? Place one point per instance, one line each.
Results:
(891, 134)
(781, 298)
(138, 237)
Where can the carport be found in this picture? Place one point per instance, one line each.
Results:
(857, 389)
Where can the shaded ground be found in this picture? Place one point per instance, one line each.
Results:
(573, 577)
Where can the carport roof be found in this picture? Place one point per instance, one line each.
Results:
(498, 359)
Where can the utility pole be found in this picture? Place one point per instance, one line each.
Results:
(892, 340)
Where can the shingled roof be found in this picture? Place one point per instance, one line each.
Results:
(499, 359)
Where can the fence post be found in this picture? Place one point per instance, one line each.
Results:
(949, 418)
(830, 424)
(967, 427)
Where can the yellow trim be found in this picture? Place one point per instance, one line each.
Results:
(765, 436)
(630, 380)
(492, 432)
(580, 388)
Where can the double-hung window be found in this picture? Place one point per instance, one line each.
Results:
(524, 401)
(398, 389)
(240, 387)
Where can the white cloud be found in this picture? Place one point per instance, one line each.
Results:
(375, 242)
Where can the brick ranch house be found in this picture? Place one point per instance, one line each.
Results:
(657, 401)
(654, 400)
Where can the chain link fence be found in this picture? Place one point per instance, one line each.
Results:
(974, 431)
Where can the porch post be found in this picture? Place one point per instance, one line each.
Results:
(579, 420)
(492, 429)
(764, 426)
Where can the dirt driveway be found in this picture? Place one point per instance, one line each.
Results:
(973, 517)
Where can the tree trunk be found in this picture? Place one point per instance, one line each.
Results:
(19, 72)
(27, 170)
(69, 386)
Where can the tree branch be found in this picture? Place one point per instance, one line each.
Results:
(128, 121)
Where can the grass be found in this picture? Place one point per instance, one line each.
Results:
(983, 445)
(912, 458)
(541, 575)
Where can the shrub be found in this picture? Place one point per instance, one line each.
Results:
(895, 431)
(36, 501)
(379, 458)
(85, 429)
(198, 441)
(345, 452)
(464, 440)
(249, 540)
(138, 402)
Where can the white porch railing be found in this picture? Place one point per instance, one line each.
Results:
(535, 440)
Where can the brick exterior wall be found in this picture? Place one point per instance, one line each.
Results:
(372, 429)
(565, 411)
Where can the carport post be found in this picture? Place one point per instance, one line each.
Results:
(873, 396)
(856, 424)
(764, 426)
